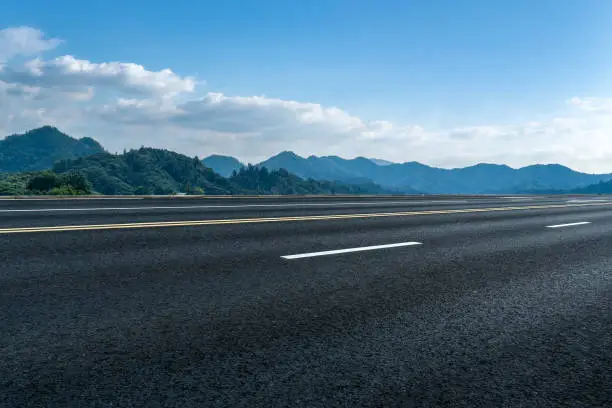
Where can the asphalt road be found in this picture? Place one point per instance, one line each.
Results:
(306, 302)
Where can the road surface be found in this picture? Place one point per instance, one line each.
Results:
(306, 302)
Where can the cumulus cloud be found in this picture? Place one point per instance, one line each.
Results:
(69, 72)
(26, 41)
(601, 105)
(217, 112)
(125, 105)
(257, 126)
(17, 90)
(237, 114)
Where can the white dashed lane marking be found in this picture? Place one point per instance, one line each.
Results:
(572, 224)
(347, 250)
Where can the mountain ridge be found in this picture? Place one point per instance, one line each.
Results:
(224, 165)
(59, 164)
(41, 148)
(38, 149)
(480, 178)
(157, 171)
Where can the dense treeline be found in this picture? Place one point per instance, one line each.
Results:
(45, 182)
(603, 187)
(47, 161)
(147, 171)
(153, 171)
(14, 183)
(259, 180)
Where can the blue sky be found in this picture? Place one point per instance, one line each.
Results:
(442, 66)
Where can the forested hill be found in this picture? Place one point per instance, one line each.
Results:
(259, 180)
(604, 187)
(154, 171)
(147, 171)
(38, 149)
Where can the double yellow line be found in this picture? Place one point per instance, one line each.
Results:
(162, 224)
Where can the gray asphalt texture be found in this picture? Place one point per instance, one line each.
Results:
(492, 310)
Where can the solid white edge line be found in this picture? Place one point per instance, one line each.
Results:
(568, 225)
(347, 250)
(185, 207)
(70, 199)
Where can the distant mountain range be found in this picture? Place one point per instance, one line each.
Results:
(154, 171)
(51, 162)
(413, 176)
(381, 162)
(162, 172)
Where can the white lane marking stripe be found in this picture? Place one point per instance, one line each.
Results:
(568, 225)
(71, 199)
(184, 207)
(344, 251)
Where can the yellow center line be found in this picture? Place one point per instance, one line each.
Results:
(285, 219)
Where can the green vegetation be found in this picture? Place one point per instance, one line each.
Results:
(38, 149)
(147, 171)
(46, 182)
(262, 181)
(153, 171)
(603, 187)
(161, 172)
(14, 184)
(76, 167)
(412, 176)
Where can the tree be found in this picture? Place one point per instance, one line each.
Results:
(77, 181)
(141, 190)
(43, 182)
(8, 188)
(65, 189)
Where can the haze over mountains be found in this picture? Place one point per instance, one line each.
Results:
(47, 161)
(410, 176)
(224, 165)
(155, 171)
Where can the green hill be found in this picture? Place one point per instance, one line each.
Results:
(147, 171)
(154, 171)
(47, 161)
(259, 180)
(38, 149)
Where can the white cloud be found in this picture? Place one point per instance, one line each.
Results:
(17, 90)
(600, 105)
(473, 132)
(268, 117)
(126, 105)
(26, 41)
(238, 114)
(69, 72)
